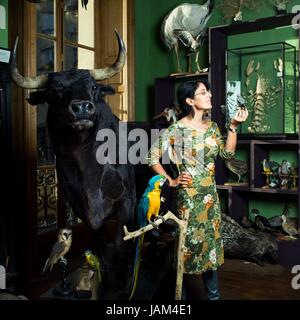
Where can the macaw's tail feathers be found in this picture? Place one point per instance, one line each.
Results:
(137, 261)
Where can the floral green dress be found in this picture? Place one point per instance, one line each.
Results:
(195, 151)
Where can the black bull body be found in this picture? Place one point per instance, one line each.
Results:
(77, 111)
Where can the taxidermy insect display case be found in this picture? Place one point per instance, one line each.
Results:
(255, 64)
(265, 77)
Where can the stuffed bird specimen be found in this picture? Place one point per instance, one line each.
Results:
(238, 167)
(59, 249)
(288, 226)
(148, 207)
(260, 221)
(190, 18)
(171, 114)
(93, 263)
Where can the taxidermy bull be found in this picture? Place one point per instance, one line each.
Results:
(76, 113)
(247, 244)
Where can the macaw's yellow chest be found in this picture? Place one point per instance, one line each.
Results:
(154, 204)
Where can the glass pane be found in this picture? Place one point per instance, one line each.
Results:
(86, 25)
(44, 56)
(70, 60)
(45, 17)
(78, 58)
(85, 59)
(79, 22)
(71, 20)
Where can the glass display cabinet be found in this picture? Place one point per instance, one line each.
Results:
(265, 76)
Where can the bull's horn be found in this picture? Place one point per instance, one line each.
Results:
(25, 82)
(108, 72)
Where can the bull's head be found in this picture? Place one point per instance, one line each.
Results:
(72, 95)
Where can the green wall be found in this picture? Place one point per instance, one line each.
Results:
(4, 32)
(152, 58)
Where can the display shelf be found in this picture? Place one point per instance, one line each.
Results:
(278, 153)
(258, 190)
(272, 147)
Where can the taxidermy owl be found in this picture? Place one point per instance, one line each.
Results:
(59, 249)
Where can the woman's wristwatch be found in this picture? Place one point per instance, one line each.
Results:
(232, 130)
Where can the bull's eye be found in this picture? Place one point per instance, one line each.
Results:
(94, 87)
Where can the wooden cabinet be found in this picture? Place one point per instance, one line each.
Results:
(239, 200)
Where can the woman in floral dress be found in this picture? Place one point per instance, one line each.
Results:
(193, 143)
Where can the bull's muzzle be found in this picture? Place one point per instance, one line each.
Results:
(82, 112)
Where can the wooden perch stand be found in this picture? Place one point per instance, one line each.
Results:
(182, 224)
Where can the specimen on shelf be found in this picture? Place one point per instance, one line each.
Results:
(265, 75)
(186, 24)
(170, 113)
(280, 5)
(284, 172)
(270, 170)
(231, 10)
(262, 99)
(238, 167)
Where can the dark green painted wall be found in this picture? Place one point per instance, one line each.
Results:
(4, 32)
(153, 59)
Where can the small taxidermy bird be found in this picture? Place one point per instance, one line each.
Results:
(93, 263)
(148, 207)
(59, 249)
(171, 113)
(238, 167)
(288, 227)
(260, 221)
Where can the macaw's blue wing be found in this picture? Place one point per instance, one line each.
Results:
(142, 210)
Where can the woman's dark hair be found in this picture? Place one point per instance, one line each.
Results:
(187, 90)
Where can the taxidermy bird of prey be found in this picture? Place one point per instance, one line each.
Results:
(148, 207)
(93, 263)
(238, 167)
(59, 249)
(186, 23)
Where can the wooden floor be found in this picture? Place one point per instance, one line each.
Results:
(238, 280)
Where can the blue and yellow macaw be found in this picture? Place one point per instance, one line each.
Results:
(148, 207)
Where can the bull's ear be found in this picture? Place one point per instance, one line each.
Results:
(37, 97)
(107, 90)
